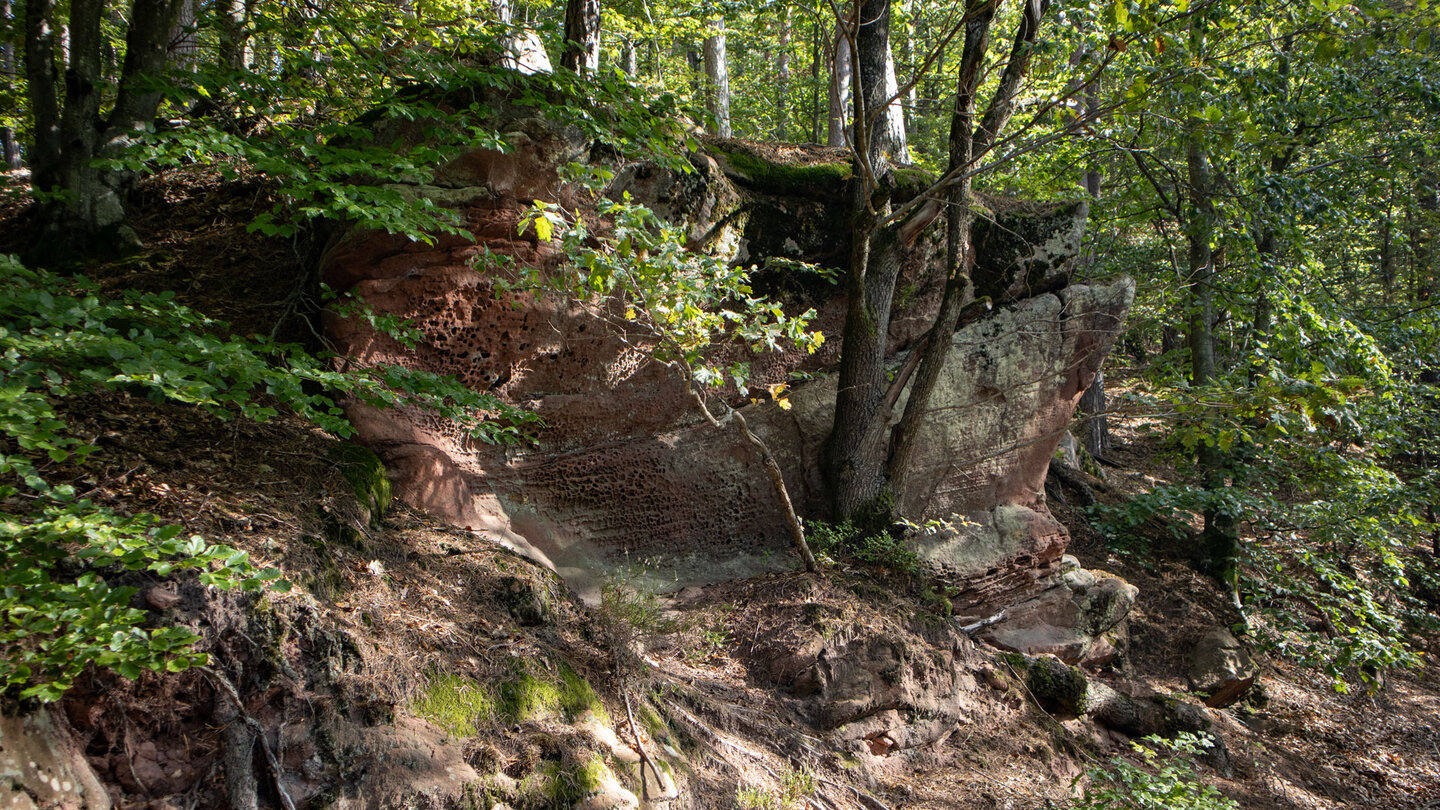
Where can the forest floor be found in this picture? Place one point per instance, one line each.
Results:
(412, 597)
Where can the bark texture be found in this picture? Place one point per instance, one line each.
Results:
(582, 36)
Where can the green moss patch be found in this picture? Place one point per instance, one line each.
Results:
(540, 697)
(783, 178)
(910, 182)
(455, 704)
(365, 473)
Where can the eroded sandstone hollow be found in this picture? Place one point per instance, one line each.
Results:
(624, 469)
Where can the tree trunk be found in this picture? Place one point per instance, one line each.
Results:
(1096, 433)
(629, 59)
(717, 79)
(817, 58)
(9, 147)
(43, 91)
(893, 118)
(90, 215)
(841, 81)
(582, 36)
(782, 76)
(1387, 252)
(855, 452)
(1422, 238)
(959, 291)
(967, 147)
(184, 45)
(1220, 536)
(231, 18)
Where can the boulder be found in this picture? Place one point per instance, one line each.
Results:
(1220, 668)
(1059, 688)
(42, 767)
(1072, 620)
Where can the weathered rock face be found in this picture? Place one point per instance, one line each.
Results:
(624, 467)
(1220, 667)
(1070, 620)
(43, 768)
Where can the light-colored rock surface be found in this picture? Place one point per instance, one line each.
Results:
(1071, 620)
(42, 767)
(1221, 668)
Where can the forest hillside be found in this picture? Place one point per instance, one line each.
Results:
(477, 404)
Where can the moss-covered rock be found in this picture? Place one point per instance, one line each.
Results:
(1023, 249)
(806, 179)
(366, 475)
(1061, 689)
(909, 182)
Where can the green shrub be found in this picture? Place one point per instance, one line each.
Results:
(60, 338)
(1166, 779)
(846, 540)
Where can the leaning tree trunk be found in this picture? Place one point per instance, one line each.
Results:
(966, 149)
(717, 79)
(582, 36)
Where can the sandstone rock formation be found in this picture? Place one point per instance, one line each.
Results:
(624, 468)
(1220, 668)
(1070, 620)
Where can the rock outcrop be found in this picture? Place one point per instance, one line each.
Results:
(42, 767)
(1220, 667)
(1072, 620)
(626, 469)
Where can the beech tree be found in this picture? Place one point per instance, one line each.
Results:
(582, 36)
(717, 77)
(73, 130)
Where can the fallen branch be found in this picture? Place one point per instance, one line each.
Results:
(644, 755)
(975, 627)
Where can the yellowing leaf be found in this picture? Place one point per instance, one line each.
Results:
(544, 228)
